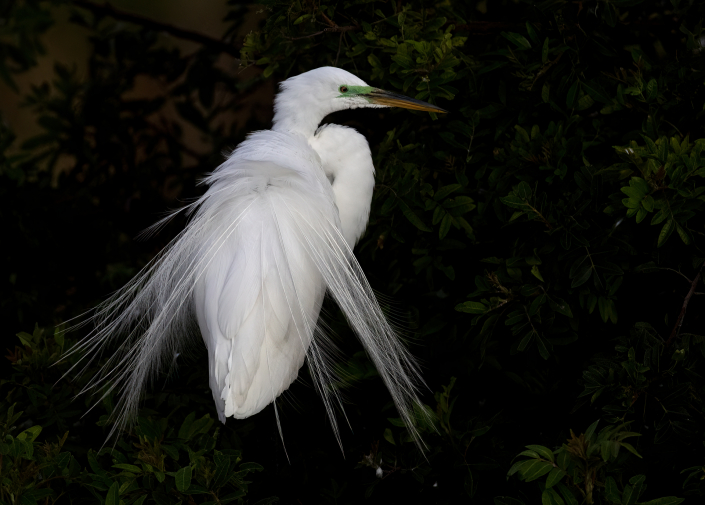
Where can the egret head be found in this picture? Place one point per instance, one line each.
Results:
(304, 100)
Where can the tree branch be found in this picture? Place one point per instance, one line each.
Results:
(681, 316)
(108, 10)
(332, 29)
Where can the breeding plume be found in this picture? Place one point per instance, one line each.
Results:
(272, 234)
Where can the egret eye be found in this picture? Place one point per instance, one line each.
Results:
(343, 89)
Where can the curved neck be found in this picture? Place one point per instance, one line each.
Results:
(346, 159)
(298, 114)
(353, 187)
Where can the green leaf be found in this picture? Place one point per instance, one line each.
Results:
(389, 437)
(612, 492)
(685, 237)
(667, 500)
(591, 430)
(560, 306)
(525, 341)
(93, 462)
(648, 203)
(535, 272)
(507, 500)
(59, 336)
(538, 301)
(522, 133)
(582, 275)
(660, 215)
(113, 496)
(412, 217)
(534, 469)
(585, 102)
(610, 14)
(529, 454)
(638, 486)
(185, 430)
(140, 500)
(269, 70)
(445, 226)
(472, 307)
(183, 478)
(63, 459)
(628, 496)
(543, 348)
(567, 494)
(524, 190)
(30, 434)
(519, 40)
(515, 468)
(438, 214)
(251, 466)
(544, 51)
(445, 191)
(596, 92)
(223, 471)
(128, 468)
(35, 494)
(630, 448)
(554, 477)
(666, 231)
(514, 202)
(651, 90)
(550, 497)
(25, 338)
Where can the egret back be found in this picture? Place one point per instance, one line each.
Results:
(258, 300)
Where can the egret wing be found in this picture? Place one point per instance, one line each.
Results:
(250, 271)
(258, 300)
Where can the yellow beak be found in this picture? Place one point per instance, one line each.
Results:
(381, 97)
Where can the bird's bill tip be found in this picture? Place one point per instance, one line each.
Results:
(381, 97)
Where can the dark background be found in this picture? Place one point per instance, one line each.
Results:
(111, 115)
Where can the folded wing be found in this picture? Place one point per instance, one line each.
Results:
(250, 272)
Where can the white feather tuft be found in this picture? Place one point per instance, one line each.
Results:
(250, 271)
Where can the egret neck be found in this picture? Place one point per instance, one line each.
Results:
(347, 162)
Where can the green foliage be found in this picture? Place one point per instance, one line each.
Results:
(512, 234)
(161, 461)
(24, 23)
(669, 184)
(583, 470)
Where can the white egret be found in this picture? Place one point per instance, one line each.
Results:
(272, 234)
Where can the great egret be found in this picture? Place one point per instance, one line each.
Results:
(273, 232)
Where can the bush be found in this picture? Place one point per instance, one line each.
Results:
(546, 237)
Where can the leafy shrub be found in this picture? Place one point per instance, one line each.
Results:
(513, 231)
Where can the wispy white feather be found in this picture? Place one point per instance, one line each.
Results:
(249, 273)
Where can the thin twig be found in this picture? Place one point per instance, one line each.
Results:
(108, 10)
(681, 316)
(676, 272)
(340, 43)
(330, 22)
(332, 29)
(546, 68)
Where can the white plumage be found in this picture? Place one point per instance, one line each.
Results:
(273, 233)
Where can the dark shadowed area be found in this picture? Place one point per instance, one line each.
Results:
(541, 245)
